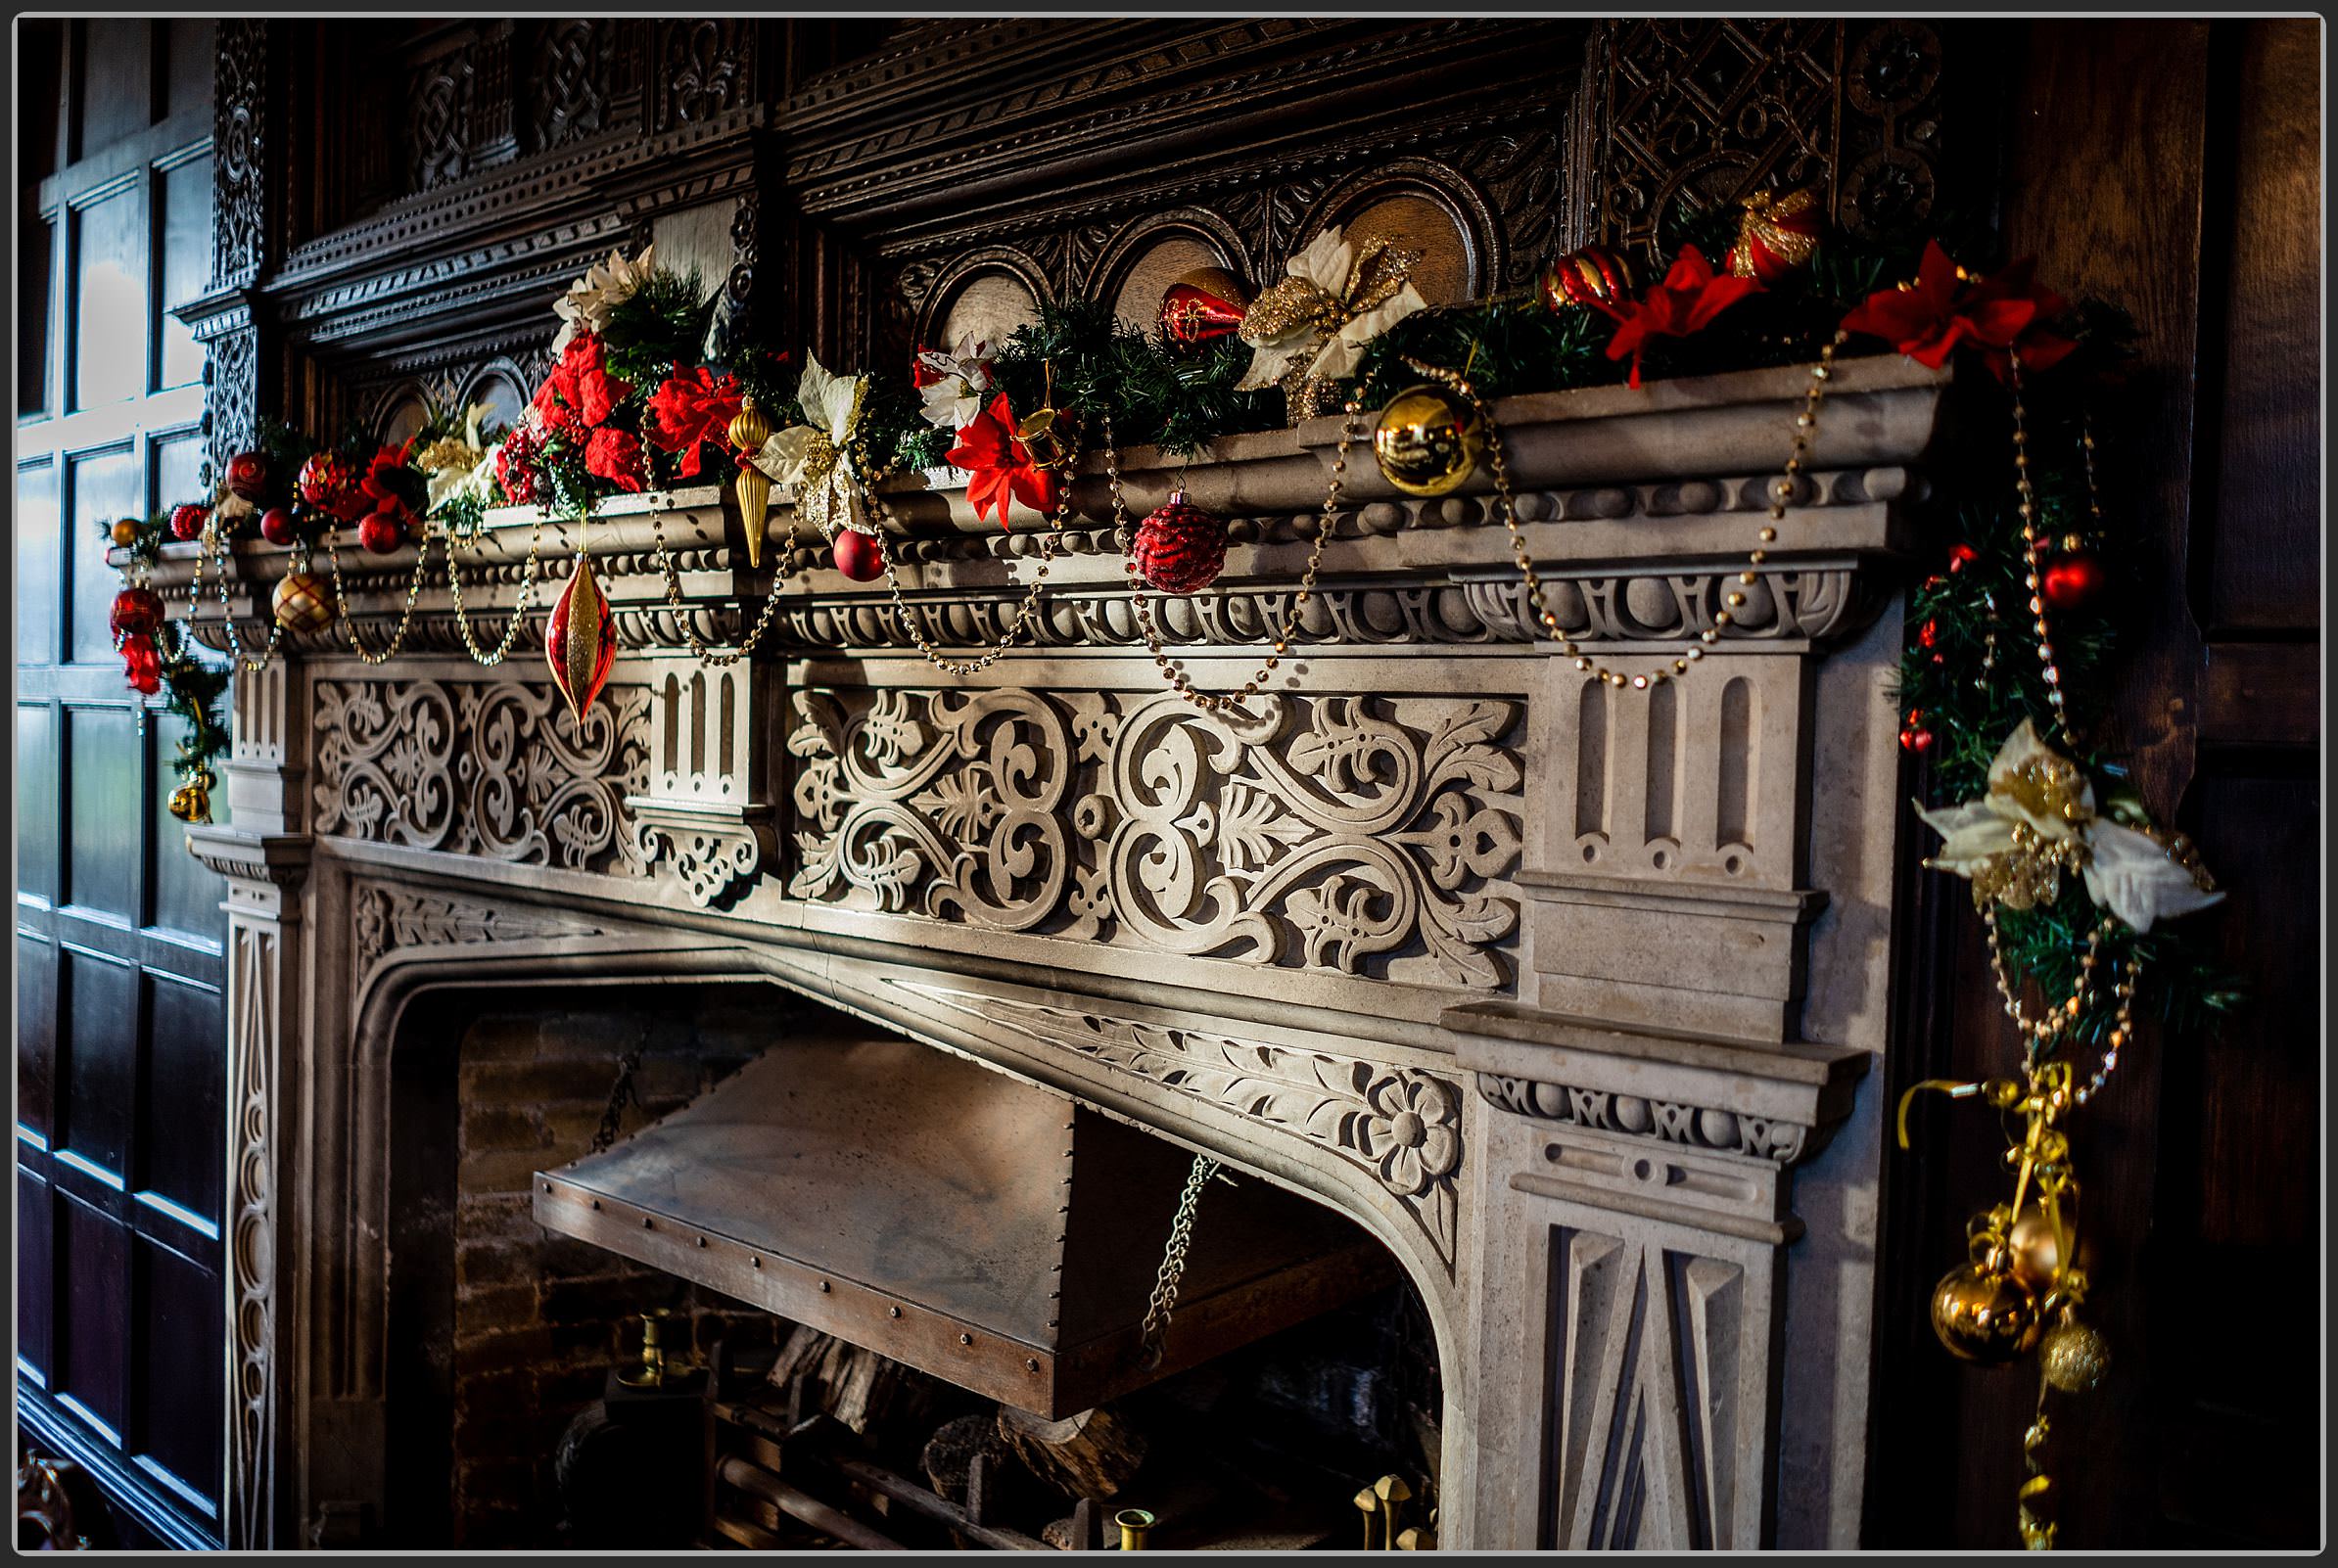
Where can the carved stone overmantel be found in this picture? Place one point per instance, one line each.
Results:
(1564, 991)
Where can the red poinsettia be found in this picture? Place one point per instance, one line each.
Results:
(1000, 464)
(580, 387)
(142, 665)
(615, 455)
(390, 485)
(1929, 319)
(1682, 306)
(691, 410)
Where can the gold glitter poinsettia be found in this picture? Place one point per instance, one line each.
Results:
(816, 457)
(1340, 294)
(2039, 821)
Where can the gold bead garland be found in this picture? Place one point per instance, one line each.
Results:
(2033, 547)
(674, 592)
(532, 574)
(406, 620)
(214, 546)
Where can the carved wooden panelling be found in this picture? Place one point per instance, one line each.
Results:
(492, 768)
(704, 66)
(1365, 836)
(570, 80)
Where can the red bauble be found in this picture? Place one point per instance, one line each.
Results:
(248, 475)
(276, 527)
(186, 521)
(1928, 634)
(1592, 276)
(1180, 548)
(1776, 236)
(381, 533)
(859, 556)
(1913, 736)
(137, 613)
(1961, 556)
(332, 483)
(2072, 582)
(581, 639)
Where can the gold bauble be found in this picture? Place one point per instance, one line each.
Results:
(1428, 441)
(1982, 1314)
(753, 487)
(191, 802)
(2076, 1358)
(126, 532)
(300, 603)
(2033, 1251)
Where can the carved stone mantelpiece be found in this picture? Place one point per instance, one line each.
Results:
(1564, 990)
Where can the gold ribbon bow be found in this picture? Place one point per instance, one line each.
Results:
(814, 457)
(1339, 295)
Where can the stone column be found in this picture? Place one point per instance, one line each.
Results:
(264, 855)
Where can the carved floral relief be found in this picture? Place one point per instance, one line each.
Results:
(1353, 835)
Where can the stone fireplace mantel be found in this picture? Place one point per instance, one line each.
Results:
(1623, 952)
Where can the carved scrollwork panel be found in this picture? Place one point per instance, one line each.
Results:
(496, 769)
(1351, 835)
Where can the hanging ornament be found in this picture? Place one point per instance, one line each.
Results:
(1592, 276)
(2073, 582)
(859, 556)
(1203, 305)
(137, 613)
(752, 486)
(1961, 556)
(186, 521)
(302, 603)
(248, 475)
(1777, 236)
(1180, 548)
(381, 533)
(1428, 441)
(1982, 1314)
(277, 527)
(2075, 1357)
(332, 483)
(191, 802)
(124, 531)
(2034, 1249)
(581, 639)
(1913, 736)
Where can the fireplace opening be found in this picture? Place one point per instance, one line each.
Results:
(519, 1414)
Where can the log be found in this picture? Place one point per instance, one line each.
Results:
(865, 1391)
(1090, 1454)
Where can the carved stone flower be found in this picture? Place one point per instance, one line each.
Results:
(1412, 1131)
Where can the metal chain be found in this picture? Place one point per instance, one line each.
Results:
(673, 590)
(2033, 549)
(215, 544)
(1024, 616)
(406, 620)
(1173, 1262)
(620, 1093)
(518, 609)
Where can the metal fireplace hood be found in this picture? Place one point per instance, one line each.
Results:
(970, 1224)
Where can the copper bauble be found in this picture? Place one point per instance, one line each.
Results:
(1428, 441)
(126, 532)
(1592, 276)
(300, 603)
(2033, 1251)
(2076, 1359)
(753, 487)
(1982, 1314)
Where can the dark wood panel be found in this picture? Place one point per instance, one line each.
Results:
(113, 88)
(38, 563)
(2264, 197)
(102, 810)
(180, 1334)
(36, 1288)
(2262, 693)
(37, 799)
(189, 43)
(102, 485)
(98, 1073)
(181, 1127)
(36, 1036)
(92, 1339)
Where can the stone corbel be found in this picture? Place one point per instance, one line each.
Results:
(702, 814)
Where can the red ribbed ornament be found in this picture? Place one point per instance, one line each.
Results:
(1180, 548)
(581, 639)
(137, 613)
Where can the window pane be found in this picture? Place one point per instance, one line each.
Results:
(116, 96)
(185, 259)
(35, 320)
(178, 459)
(37, 545)
(106, 485)
(110, 247)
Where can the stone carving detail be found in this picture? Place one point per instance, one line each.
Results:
(252, 1229)
(713, 863)
(1401, 1124)
(1647, 1432)
(1661, 1121)
(1707, 109)
(440, 96)
(1354, 835)
(231, 395)
(385, 919)
(238, 148)
(496, 769)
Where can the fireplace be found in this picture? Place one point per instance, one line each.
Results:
(1623, 952)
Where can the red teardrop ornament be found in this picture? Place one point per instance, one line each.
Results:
(1194, 312)
(581, 639)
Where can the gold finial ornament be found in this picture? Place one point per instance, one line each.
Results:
(753, 487)
(1430, 440)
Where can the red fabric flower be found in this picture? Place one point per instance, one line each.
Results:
(142, 665)
(615, 455)
(921, 374)
(1000, 465)
(1681, 306)
(693, 410)
(1928, 319)
(389, 482)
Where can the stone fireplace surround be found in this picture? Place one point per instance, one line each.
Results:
(1621, 956)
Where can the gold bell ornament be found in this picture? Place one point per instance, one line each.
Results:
(191, 802)
(1428, 441)
(753, 487)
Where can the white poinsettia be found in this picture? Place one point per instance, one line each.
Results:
(815, 457)
(2038, 820)
(606, 284)
(475, 482)
(964, 372)
(1329, 309)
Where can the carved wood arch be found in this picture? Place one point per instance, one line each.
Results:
(1455, 195)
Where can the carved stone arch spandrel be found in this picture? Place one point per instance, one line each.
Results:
(1127, 251)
